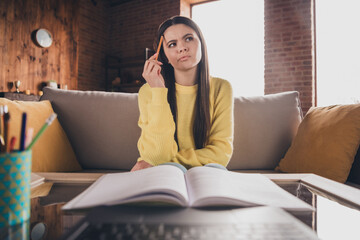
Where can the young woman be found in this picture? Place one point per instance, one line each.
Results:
(186, 116)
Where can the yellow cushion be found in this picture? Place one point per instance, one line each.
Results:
(52, 152)
(326, 142)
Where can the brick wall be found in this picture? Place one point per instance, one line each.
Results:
(133, 28)
(118, 28)
(93, 45)
(289, 52)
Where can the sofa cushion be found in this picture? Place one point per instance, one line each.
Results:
(101, 126)
(52, 152)
(326, 143)
(264, 127)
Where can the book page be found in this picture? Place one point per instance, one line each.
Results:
(161, 183)
(36, 180)
(216, 187)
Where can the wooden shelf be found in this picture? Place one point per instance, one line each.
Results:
(127, 87)
(121, 66)
(19, 96)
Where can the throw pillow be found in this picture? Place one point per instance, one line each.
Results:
(101, 126)
(52, 152)
(326, 142)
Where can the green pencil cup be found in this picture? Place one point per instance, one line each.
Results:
(15, 177)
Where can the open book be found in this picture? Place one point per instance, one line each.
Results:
(198, 187)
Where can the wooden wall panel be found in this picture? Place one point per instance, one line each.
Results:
(22, 60)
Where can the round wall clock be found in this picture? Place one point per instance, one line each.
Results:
(43, 38)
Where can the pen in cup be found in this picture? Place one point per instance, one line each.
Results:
(2, 142)
(6, 128)
(23, 132)
(29, 136)
(12, 144)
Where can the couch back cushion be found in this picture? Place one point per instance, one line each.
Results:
(101, 126)
(264, 127)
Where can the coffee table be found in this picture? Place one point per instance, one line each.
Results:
(336, 217)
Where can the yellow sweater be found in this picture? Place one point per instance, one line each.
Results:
(157, 144)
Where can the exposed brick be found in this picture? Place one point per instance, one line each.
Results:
(289, 48)
(124, 31)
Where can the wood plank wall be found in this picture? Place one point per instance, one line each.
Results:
(84, 32)
(21, 59)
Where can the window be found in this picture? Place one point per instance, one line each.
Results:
(337, 51)
(234, 34)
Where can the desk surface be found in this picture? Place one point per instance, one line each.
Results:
(328, 197)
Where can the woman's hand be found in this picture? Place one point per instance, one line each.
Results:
(141, 165)
(152, 73)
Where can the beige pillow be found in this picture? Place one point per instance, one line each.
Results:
(264, 127)
(101, 126)
(52, 152)
(326, 142)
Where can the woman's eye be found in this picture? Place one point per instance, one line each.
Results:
(171, 45)
(188, 39)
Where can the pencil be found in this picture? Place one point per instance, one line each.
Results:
(42, 129)
(28, 136)
(2, 142)
(159, 46)
(1, 119)
(22, 133)
(6, 129)
(12, 144)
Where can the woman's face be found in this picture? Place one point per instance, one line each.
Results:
(182, 47)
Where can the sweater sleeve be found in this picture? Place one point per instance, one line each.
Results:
(156, 144)
(219, 147)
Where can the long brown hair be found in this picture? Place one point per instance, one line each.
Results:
(201, 126)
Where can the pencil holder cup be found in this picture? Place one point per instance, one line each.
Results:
(15, 177)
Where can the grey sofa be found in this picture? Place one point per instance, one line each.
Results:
(102, 129)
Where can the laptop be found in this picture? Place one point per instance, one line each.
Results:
(134, 222)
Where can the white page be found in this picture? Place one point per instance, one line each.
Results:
(212, 187)
(147, 184)
(36, 180)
